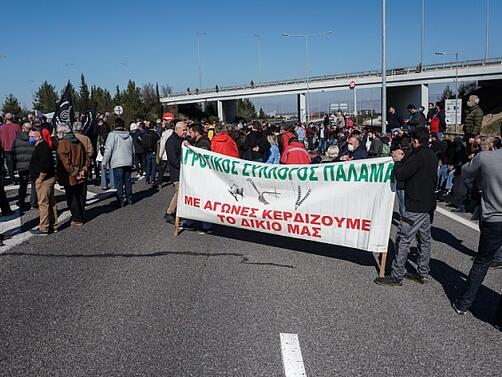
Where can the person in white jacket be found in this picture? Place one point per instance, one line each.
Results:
(167, 131)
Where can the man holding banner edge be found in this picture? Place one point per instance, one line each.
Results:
(418, 171)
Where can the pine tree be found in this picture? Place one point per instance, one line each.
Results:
(11, 105)
(447, 93)
(151, 102)
(83, 103)
(131, 101)
(246, 109)
(117, 98)
(261, 114)
(46, 98)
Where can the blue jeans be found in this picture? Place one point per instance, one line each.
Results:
(106, 178)
(490, 241)
(322, 146)
(123, 183)
(444, 175)
(151, 167)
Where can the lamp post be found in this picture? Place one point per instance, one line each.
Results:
(307, 73)
(258, 39)
(487, 28)
(443, 53)
(384, 69)
(198, 58)
(422, 34)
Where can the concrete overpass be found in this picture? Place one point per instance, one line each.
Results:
(405, 85)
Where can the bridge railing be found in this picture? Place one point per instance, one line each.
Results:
(353, 75)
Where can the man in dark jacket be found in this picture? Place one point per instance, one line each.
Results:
(393, 119)
(419, 173)
(355, 151)
(256, 145)
(416, 120)
(149, 142)
(43, 172)
(376, 145)
(23, 148)
(173, 150)
(200, 140)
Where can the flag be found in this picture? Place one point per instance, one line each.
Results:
(89, 122)
(64, 112)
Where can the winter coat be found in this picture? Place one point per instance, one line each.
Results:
(222, 143)
(162, 144)
(418, 171)
(203, 143)
(295, 153)
(119, 149)
(137, 137)
(72, 160)
(376, 147)
(173, 150)
(23, 150)
(255, 139)
(473, 120)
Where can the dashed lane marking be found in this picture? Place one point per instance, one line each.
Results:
(458, 218)
(292, 356)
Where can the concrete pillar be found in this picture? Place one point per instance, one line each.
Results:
(402, 96)
(302, 111)
(227, 110)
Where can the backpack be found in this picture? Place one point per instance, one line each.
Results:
(385, 150)
(149, 141)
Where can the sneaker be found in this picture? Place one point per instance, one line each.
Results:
(496, 265)
(76, 223)
(388, 281)
(417, 278)
(38, 232)
(458, 210)
(456, 306)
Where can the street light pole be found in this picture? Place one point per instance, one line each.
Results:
(199, 60)
(384, 69)
(258, 38)
(487, 28)
(422, 35)
(307, 71)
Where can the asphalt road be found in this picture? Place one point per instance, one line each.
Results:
(121, 296)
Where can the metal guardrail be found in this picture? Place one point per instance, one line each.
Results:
(362, 74)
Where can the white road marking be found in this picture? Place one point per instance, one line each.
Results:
(11, 226)
(292, 356)
(460, 219)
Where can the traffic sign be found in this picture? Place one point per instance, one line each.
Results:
(118, 110)
(167, 116)
(352, 84)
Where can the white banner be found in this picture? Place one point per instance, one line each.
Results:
(346, 203)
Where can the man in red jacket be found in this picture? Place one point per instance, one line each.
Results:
(295, 154)
(222, 143)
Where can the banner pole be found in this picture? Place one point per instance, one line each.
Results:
(383, 263)
(176, 226)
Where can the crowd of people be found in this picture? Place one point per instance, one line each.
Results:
(429, 166)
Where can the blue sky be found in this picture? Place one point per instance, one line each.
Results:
(157, 39)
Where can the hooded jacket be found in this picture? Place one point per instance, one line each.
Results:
(119, 149)
(223, 144)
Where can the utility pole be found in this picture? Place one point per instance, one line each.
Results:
(384, 69)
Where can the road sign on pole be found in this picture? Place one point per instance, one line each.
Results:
(118, 110)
